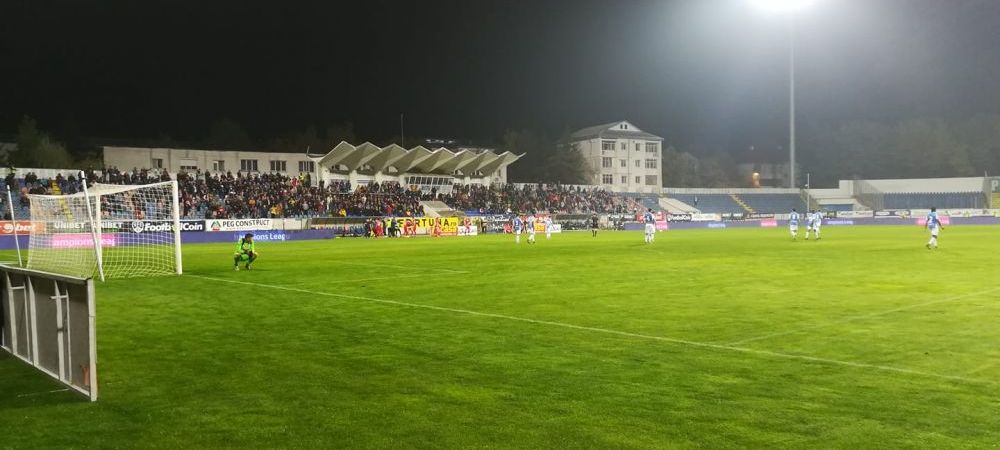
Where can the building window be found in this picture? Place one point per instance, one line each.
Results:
(624, 179)
(623, 163)
(637, 162)
(606, 162)
(248, 165)
(650, 180)
(623, 146)
(157, 163)
(607, 178)
(608, 145)
(638, 180)
(651, 147)
(650, 163)
(219, 165)
(188, 168)
(636, 146)
(307, 166)
(278, 166)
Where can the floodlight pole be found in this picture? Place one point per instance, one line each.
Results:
(791, 101)
(809, 197)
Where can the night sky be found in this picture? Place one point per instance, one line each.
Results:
(706, 74)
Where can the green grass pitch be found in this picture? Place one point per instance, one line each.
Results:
(710, 338)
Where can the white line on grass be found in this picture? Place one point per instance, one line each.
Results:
(42, 393)
(981, 368)
(614, 332)
(380, 265)
(332, 281)
(865, 316)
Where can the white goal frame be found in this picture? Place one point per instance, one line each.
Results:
(126, 222)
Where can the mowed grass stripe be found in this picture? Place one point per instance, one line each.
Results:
(615, 332)
(867, 316)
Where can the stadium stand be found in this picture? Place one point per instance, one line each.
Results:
(676, 206)
(224, 195)
(647, 201)
(773, 203)
(954, 200)
(836, 207)
(710, 203)
(477, 199)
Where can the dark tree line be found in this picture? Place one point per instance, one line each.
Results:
(912, 148)
(545, 159)
(915, 148)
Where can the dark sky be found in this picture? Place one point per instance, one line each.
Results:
(703, 73)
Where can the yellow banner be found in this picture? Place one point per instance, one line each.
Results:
(448, 226)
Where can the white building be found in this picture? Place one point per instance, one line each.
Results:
(623, 157)
(418, 167)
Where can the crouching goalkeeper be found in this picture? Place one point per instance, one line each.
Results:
(245, 251)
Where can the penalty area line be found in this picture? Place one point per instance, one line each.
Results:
(705, 345)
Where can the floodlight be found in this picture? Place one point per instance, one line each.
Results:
(782, 6)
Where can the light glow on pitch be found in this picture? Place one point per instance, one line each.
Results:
(782, 6)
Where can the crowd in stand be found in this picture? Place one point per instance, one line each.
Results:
(227, 196)
(554, 199)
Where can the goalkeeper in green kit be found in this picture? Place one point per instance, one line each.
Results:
(245, 251)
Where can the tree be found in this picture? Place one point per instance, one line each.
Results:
(342, 132)
(531, 167)
(679, 169)
(228, 134)
(566, 165)
(546, 161)
(311, 140)
(35, 149)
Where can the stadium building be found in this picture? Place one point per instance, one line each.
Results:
(623, 157)
(418, 167)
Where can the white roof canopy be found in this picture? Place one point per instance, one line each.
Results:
(417, 159)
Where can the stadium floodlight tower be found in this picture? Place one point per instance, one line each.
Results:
(788, 8)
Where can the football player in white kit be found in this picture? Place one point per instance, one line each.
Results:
(817, 222)
(530, 225)
(934, 226)
(810, 222)
(548, 227)
(793, 224)
(518, 225)
(650, 222)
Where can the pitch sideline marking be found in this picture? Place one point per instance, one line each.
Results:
(981, 368)
(865, 316)
(352, 263)
(616, 332)
(412, 275)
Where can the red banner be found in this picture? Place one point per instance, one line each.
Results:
(23, 227)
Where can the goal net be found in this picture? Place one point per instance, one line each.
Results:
(110, 231)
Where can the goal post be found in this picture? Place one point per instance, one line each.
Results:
(108, 231)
